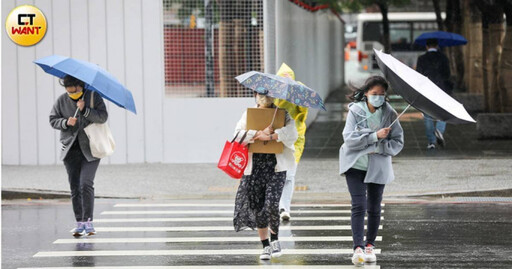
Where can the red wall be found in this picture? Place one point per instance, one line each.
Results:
(185, 55)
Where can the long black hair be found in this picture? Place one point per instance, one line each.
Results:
(357, 93)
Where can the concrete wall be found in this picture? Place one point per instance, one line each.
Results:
(197, 128)
(123, 36)
(312, 45)
(126, 38)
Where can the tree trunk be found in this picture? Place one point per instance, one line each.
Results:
(454, 24)
(505, 69)
(486, 62)
(238, 52)
(496, 34)
(473, 49)
(492, 25)
(210, 77)
(383, 6)
(439, 19)
(226, 72)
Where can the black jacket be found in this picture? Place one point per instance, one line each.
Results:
(435, 66)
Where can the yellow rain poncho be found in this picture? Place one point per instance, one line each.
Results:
(298, 113)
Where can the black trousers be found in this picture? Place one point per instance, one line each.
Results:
(81, 175)
(366, 198)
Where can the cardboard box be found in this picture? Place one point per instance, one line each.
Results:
(259, 119)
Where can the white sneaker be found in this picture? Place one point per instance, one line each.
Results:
(267, 253)
(276, 249)
(440, 138)
(358, 257)
(431, 146)
(285, 215)
(369, 254)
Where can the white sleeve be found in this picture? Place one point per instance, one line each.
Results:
(288, 134)
(241, 127)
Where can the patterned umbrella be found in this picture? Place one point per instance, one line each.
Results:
(282, 88)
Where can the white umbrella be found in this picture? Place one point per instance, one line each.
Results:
(421, 92)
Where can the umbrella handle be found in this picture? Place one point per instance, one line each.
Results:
(275, 113)
(76, 112)
(399, 116)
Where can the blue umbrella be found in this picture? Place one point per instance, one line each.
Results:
(445, 39)
(94, 77)
(282, 88)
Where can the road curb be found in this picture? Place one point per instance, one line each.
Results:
(35, 194)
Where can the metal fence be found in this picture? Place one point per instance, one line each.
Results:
(208, 43)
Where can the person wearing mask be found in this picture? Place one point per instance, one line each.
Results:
(371, 137)
(260, 189)
(70, 114)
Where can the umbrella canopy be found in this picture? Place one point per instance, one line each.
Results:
(94, 77)
(282, 88)
(445, 39)
(421, 92)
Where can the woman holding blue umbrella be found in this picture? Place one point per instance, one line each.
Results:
(71, 113)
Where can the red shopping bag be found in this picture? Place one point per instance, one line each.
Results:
(234, 158)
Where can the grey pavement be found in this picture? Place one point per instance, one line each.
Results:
(199, 233)
(465, 165)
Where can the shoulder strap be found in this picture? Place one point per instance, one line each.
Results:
(92, 99)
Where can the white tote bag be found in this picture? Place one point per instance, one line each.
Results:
(101, 141)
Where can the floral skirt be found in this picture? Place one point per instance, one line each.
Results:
(257, 199)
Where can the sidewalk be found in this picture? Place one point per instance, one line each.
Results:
(465, 165)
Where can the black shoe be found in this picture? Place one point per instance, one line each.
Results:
(440, 138)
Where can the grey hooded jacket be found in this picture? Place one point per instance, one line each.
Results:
(360, 140)
(64, 108)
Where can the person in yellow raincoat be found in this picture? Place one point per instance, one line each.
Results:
(299, 114)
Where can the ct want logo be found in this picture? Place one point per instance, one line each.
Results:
(26, 25)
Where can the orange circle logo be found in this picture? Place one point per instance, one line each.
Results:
(26, 25)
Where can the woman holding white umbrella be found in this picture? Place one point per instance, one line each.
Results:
(365, 160)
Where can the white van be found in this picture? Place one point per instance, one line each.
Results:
(404, 28)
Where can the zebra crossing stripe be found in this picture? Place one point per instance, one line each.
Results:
(208, 219)
(212, 266)
(206, 212)
(195, 252)
(215, 228)
(222, 205)
(204, 239)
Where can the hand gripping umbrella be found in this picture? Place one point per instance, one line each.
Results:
(421, 92)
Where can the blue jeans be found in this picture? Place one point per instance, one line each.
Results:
(366, 197)
(430, 127)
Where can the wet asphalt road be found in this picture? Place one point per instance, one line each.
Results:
(414, 235)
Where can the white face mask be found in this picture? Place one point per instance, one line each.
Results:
(376, 100)
(264, 101)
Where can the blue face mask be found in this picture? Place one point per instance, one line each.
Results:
(376, 100)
